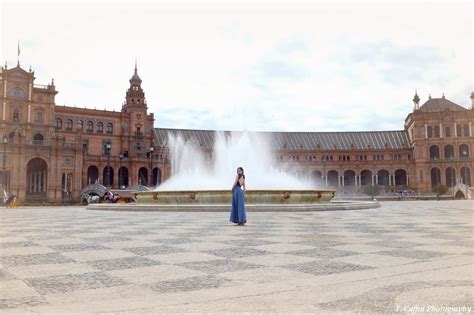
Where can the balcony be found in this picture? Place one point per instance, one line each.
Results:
(38, 142)
(69, 145)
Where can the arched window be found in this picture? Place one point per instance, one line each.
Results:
(448, 152)
(435, 176)
(90, 126)
(17, 92)
(69, 124)
(38, 136)
(100, 127)
(466, 175)
(450, 176)
(463, 151)
(434, 152)
(59, 123)
(110, 128)
(38, 139)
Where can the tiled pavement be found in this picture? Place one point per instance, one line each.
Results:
(386, 260)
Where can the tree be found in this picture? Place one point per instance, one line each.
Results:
(440, 189)
(372, 191)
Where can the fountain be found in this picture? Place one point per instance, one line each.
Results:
(202, 181)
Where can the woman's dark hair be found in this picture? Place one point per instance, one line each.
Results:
(241, 168)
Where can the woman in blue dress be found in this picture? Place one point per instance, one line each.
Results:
(237, 214)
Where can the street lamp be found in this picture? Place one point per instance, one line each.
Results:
(120, 171)
(452, 174)
(5, 141)
(107, 147)
(464, 155)
(151, 149)
(324, 172)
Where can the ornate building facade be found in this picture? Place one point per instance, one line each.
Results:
(50, 152)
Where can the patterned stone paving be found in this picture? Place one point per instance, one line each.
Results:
(382, 260)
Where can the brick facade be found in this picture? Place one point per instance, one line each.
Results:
(51, 152)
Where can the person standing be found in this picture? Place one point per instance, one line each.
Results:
(237, 214)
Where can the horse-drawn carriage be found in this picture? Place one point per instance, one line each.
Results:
(9, 201)
(97, 193)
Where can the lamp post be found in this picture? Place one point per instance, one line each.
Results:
(5, 141)
(120, 171)
(324, 172)
(452, 174)
(151, 149)
(107, 147)
(464, 156)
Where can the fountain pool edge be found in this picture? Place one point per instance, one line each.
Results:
(335, 205)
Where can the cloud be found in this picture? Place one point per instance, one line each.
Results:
(394, 63)
(278, 66)
(273, 70)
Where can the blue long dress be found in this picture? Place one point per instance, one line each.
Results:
(237, 214)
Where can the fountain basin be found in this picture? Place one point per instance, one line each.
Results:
(220, 201)
(209, 197)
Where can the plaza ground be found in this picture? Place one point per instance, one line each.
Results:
(402, 257)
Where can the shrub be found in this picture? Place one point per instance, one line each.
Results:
(372, 191)
(440, 189)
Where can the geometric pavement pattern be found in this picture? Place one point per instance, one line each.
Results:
(52, 255)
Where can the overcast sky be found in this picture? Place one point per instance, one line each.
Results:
(287, 67)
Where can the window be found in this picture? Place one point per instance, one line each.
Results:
(430, 132)
(110, 128)
(447, 132)
(85, 145)
(16, 114)
(90, 126)
(39, 117)
(448, 152)
(458, 131)
(17, 92)
(463, 151)
(437, 134)
(59, 123)
(434, 152)
(69, 124)
(80, 125)
(100, 127)
(466, 131)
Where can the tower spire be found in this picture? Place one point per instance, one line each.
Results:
(135, 65)
(416, 100)
(18, 55)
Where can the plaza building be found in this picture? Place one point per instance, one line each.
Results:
(51, 152)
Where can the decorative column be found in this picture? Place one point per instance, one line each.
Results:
(35, 182)
(4, 99)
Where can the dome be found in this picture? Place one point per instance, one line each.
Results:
(135, 76)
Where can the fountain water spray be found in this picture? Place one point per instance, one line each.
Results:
(192, 168)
